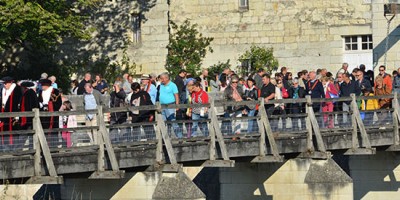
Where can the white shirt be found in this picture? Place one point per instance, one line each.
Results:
(6, 93)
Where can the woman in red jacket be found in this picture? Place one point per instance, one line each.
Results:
(330, 92)
(199, 96)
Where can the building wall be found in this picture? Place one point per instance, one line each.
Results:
(379, 27)
(303, 34)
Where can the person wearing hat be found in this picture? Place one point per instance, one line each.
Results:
(49, 101)
(29, 101)
(149, 87)
(11, 95)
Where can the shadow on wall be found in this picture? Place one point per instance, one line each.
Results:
(247, 181)
(113, 25)
(376, 175)
(380, 49)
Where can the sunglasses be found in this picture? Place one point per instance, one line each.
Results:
(381, 70)
(234, 82)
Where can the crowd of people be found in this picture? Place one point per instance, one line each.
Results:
(21, 96)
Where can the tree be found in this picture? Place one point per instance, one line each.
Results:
(218, 68)
(41, 24)
(186, 49)
(260, 57)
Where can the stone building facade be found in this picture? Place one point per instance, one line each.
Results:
(305, 34)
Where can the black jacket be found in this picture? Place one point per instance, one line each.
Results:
(118, 100)
(142, 98)
(315, 89)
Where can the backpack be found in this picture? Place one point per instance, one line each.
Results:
(396, 82)
(285, 93)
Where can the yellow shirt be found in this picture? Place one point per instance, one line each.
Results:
(370, 104)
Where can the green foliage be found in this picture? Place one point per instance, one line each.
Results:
(41, 24)
(112, 70)
(218, 68)
(260, 57)
(186, 49)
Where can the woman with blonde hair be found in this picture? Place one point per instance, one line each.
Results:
(384, 103)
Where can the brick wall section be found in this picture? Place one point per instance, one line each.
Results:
(303, 33)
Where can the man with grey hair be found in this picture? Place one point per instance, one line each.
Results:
(91, 99)
(344, 69)
(168, 94)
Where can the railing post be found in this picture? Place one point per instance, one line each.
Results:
(313, 127)
(226, 162)
(266, 128)
(36, 146)
(159, 150)
(42, 147)
(104, 139)
(162, 128)
(396, 120)
(357, 122)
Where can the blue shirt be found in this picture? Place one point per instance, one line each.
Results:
(152, 92)
(167, 93)
(90, 104)
(100, 86)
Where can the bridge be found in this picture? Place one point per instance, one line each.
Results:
(38, 156)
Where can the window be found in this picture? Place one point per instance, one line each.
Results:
(243, 5)
(137, 28)
(366, 42)
(358, 43)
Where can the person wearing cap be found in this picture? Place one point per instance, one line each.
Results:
(50, 101)
(11, 95)
(149, 87)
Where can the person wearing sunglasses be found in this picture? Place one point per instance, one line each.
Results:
(387, 80)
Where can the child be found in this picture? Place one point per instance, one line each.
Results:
(368, 104)
(68, 121)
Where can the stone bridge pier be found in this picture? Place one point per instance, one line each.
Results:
(357, 177)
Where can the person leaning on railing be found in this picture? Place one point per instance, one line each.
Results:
(199, 96)
(234, 92)
(368, 104)
(384, 103)
(141, 98)
(251, 93)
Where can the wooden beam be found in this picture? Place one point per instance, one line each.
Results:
(43, 143)
(314, 124)
(106, 139)
(262, 129)
(356, 113)
(310, 144)
(167, 141)
(396, 119)
(36, 146)
(218, 133)
(212, 135)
